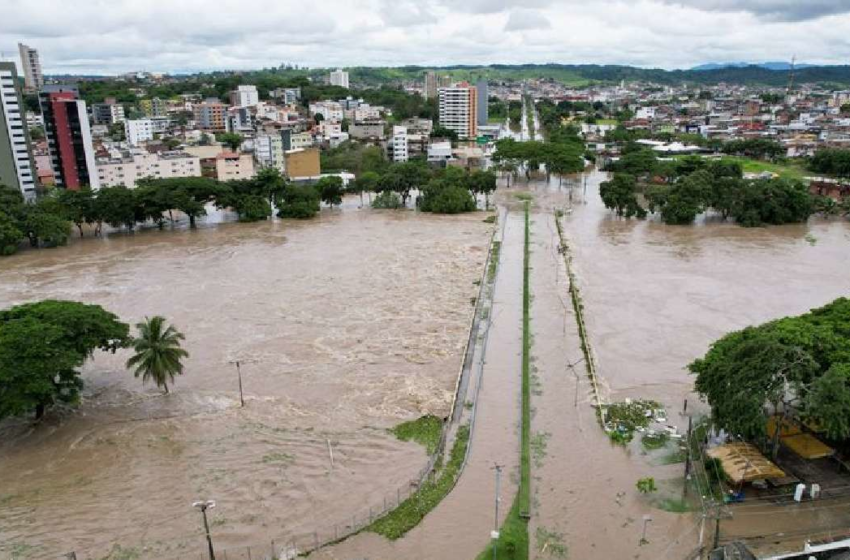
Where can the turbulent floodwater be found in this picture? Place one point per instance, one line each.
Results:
(344, 325)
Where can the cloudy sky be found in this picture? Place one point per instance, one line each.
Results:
(112, 36)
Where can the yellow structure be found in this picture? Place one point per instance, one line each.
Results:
(743, 462)
(302, 164)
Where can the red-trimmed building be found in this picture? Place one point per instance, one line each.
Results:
(69, 141)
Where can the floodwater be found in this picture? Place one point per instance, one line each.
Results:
(655, 297)
(345, 325)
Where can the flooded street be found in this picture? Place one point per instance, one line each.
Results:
(345, 325)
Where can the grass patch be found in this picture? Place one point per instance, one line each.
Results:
(655, 440)
(550, 543)
(120, 553)
(411, 511)
(539, 443)
(425, 431)
(674, 505)
(277, 457)
(525, 448)
(524, 196)
(495, 252)
(512, 543)
(490, 219)
(626, 417)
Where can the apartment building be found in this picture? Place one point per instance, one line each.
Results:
(69, 141)
(366, 130)
(302, 163)
(330, 110)
(430, 85)
(459, 110)
(398, 146)
(107, 113)
(17, 168)
(138, 131)
(229, 166)
(211, 116)
(131, 167)
(269, 151)
(482, 90)
(155, 107)
(339, 78)
(244, 96)
(295, 140)
(33, 78)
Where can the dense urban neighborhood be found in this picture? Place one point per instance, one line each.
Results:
(471, 312)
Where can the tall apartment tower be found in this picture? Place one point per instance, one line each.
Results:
(459, 110)
(69, 141)
(33, 78)
(244, 96)
(483, 102)
(17, 169)
(339, 78)
(430, 85)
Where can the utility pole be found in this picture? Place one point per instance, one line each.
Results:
(495, 534)
(239, 374)
(646, 520)
(204, 506)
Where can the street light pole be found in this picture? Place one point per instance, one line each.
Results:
(646, 519)
(204, 506)
(239, 374)
(495, 534)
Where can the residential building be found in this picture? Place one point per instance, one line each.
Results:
(459, 110)
(295, 140)
(483, 102)
(440, 152)
(33, 78)
(155, 107)
(339, 78)
(329, 128)
(130, 168)
(269, 151)
(240, 119)
(368, 129)
(69, 141)
(229, 166)
(398, 146)
(17, 168)
(330, 110)
(418, 125)
(430, 85)
(211, 116)
(244, 96)
(302, 163)
(288, 95)
(107, 113)
(138, 131)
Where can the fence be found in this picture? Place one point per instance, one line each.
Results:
(298, 543)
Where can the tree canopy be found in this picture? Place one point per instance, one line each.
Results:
(796, 366)
(42, 347)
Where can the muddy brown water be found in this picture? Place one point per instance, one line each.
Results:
(345, 326)
(654, 297)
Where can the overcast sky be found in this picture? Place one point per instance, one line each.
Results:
(112, 36)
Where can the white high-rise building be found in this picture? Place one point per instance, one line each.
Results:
(399, 144)
(33, 78)
(138, 131)
(17, 168)
(459, 110)
(339, 78)
(244, 96)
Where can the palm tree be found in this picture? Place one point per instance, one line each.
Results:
(158, 353)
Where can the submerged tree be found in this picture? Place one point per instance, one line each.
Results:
(158, 354)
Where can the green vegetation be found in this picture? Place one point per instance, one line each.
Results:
(277, 458)
(689, 186)
(797, 365)
(524, 499)
(656, 440)
(426, 431)
(387, 200)
(406, 516)
(674, 505)
(158, 353)
(513, 542)
(646, 485)
(493, 266)
(550, 543)
(624, 418)
(300, 202)
(834, 162)
(42, 347)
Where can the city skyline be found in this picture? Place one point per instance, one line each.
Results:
(669, 34)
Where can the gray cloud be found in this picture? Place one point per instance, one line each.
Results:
(524, 20)
(776, 10)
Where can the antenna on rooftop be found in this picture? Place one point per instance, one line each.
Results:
(791, 74)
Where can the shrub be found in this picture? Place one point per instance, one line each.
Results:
(387, 200)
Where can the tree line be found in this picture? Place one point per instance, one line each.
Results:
(796, 367)
(43, 345)
(693, 185)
